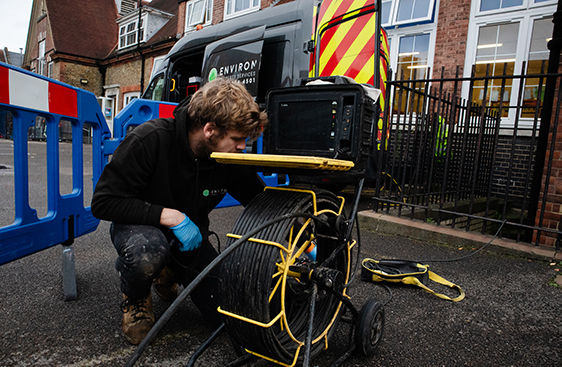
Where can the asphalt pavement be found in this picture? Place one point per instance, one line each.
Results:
(511, 315)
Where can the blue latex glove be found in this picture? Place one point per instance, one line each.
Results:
(188, 234)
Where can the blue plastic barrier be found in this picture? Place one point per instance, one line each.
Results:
(142, 110)
(27, 95)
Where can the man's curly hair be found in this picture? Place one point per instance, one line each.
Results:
(228, 104)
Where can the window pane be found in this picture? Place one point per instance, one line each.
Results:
(421, 9)
(489, 4)
(497, 43)
(413, 9)
(510, 3)
(155, 89)
(197, 13)
(405, 10)
(131, 39)
(421, 46)
(542, 33)
(498, 4)
(208, 12)
(495, 54)
(406, 45)
(508, 38)
(385, 12)
(537, 64)
(413, 54)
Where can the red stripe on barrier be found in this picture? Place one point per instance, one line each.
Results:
(63, 100)
(166, 110)
(4, 85)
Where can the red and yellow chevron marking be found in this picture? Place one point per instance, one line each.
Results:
(347, 31)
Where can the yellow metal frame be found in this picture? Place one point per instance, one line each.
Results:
(284, 161)
(283, 271)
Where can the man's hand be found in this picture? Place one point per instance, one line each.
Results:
(184, 229)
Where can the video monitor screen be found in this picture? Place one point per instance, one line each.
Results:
(307, 125)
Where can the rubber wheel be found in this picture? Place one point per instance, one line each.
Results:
(368, 331)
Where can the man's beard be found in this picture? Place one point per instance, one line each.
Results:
(205, 147)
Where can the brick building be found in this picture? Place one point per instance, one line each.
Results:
(95, 45)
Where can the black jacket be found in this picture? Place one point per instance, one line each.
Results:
(154, 167)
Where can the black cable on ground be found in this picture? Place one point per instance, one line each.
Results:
(466, 256)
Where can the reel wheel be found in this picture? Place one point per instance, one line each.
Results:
(265, 284)
(370, 324)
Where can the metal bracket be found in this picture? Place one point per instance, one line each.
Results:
(68, 264)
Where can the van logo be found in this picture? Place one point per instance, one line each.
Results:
(239, 68)
(212, 74)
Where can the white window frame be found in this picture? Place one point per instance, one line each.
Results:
(395, 5)
(394, 36)
(129, 96)
(525, 16)
(41, 58)
(50, 67)
(234, 13)
(524, 6)
(125, 30)
(190, 24)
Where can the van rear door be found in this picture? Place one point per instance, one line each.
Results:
(235, 57)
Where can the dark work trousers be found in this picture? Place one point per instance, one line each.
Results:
(144, 251)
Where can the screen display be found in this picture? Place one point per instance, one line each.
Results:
(307, 125)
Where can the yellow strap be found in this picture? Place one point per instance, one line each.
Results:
(415, 281)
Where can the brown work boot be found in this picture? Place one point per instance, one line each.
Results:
(138, 318)
(165, 285)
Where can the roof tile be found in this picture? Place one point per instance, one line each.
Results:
(83, 28)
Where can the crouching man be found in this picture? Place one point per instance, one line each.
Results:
(158, 190)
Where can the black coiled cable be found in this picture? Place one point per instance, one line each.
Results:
(247, 277)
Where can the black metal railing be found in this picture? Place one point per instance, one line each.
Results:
(467, 162)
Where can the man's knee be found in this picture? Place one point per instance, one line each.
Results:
(143, 250)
